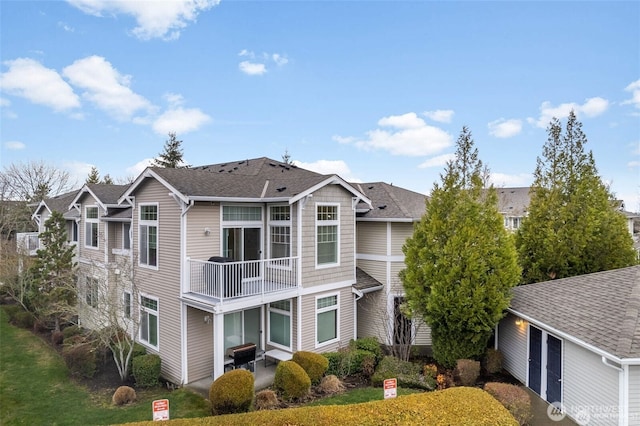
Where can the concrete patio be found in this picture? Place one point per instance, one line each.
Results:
(263, 378)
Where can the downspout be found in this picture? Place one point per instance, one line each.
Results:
(357, 296)
(184, 276)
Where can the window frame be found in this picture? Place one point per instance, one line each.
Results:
(148, 224)
(91, 291)
(145, 310)
(127, 304)
(284, 313)
(334, 222)
(273, 224)
(334, 307)
(93, 221)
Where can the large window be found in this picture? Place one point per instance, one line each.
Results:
(327, 234)
(91, 227)
(241, 213)
(126, 236)
(327, 314)
(149, 321)
(280, 323)
(279, 231)
(91, 292)
(148, 235)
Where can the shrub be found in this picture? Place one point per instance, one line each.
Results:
(291, 380)
(12, 311)
(266, 399)
(57, 338)
(146, 370)
(408, 374)
(123, 395)
(314, 364)
(335, 360)
(493, 361)
(467, 371)
(72, 330)
(232, 392)
(24, 319)
(80, 359)
(368, 365)
(513, 398)
(369, 344)
(330, 385)
(430, 370)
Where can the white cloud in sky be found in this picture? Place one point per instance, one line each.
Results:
(503, 128)
(440, 115)
(66, 27)
(29, 79)
(279, 59)
(257, 65)
(4, 102)
(591, 107)
(439, 161)
(139, 167)
(106, 88)
(405, 134)
(155, 19)
(15, 145)
(634, 88)
(180, 120)
(78, 171)
(329, 167)
(252, 68)
(500, 180)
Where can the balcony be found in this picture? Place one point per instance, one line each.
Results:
(223, 280)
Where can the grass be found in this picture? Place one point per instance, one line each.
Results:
(357, 396)
(35, 389)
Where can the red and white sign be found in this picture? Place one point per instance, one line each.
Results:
(390, 388)
(161, 409)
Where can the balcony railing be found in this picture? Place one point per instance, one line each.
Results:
(226, 280)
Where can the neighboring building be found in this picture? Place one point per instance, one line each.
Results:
(512, 205)
(576, 341)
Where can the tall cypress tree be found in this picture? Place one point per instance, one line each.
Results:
(572, 227)
(461, 262)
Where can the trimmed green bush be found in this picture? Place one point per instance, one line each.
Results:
(347, 362)
(408, 374)
(146, 370)
(232, 392)
(493, 361)
(80, 359)
(467, 371)
(513, 398)
(291, 380)
(314, 364)
(369, 344)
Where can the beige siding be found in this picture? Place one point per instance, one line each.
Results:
(423, 333)
(199, 344)
(345, 320)
(345, 271)
(399, 234)
(376, 269)
(372, 313)
(85, 253)
(634, 394)
(371, 238)
(396, 283)
(582, 369)
(199, 245)
(512, 342)
(163, 283)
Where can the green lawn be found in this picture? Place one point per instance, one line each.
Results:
(35, 389)
(356, 396)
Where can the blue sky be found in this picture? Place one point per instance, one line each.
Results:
(373, 91)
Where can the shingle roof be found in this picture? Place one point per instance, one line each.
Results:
(513, 201)
(61, 202)
(391, 202)
(107, 193)
(365, 282)
(253, 178)
(600, 309)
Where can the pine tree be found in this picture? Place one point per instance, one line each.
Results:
(107, 180)
(171, 157)
(461, 262)
(94, 176)
(572, 227)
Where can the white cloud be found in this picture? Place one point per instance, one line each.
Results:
(409, 136)
(155, 19)
(633, 164)
(505, 180)
(78, 171)
(14, 145)
(4, 102)
(106, 88)
(502, 128)
(440, 115)
(66, 27)
(252, 68)
(180, 120)
(591, 107)
(634, 88)
(329, 167)
(29, 79)
(139, 167)
(439, 161)
(174, 99)
(279, 59)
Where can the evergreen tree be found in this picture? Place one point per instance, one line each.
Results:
(171, 157)
(286, 157)
(461, 262)
(94, 176)
(572, 227)
(107, 180)
(53, 289)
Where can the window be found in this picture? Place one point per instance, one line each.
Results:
(241, 213)
(91, 227)
(126, 302)
(279, 232)
(327, 319)
(149, 321)
(126, 236)
(280, 323)
(74, 232)
(516, 222)
(327, 234)
(91, 292)
(149, 235)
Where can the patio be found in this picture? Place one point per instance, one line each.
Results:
(263, 378)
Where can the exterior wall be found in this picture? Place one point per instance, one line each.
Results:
(583, 369)
(199, 217)
(89, 254)
(345, 321)
(371, 238)
(395, 283)
(371, 316)
(512, 342)
(634, 394)
(376, 269)
(163, 283)
(345, 271)
(399, 234)
(199, 344)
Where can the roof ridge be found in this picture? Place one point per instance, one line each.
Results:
(630, 321)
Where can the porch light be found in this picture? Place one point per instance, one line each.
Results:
(207, 319)
(519, 322)
(207, 231)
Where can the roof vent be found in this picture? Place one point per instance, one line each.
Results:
(272, 165)
(382, 207)
(221, 170)
(371, 187)
(280, 189)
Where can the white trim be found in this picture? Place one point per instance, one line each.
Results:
(141, 308)
(380, 257)
(330, 308)
(149, 223)
(334, 179)
(284, 313)
(92, 221)
(333, 222)
(305, 291)
(277, 223)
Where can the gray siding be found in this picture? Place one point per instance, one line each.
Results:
(346, 321)
(634, 394)
(512, 342)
